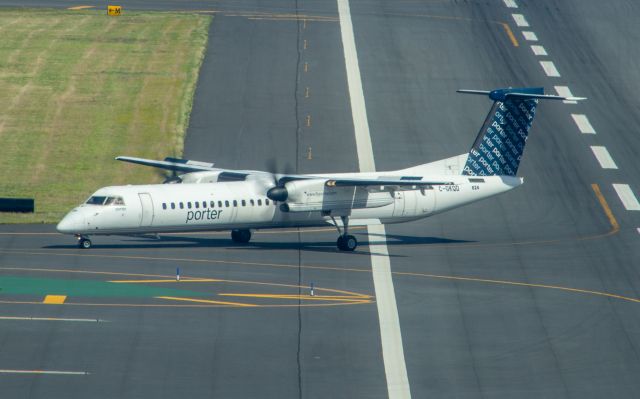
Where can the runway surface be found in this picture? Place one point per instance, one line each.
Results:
(531, 294)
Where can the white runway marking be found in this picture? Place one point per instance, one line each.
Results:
(550, 69)
(55, 372)
(638, 229)
(510, 3)
(627, 197)
(520, 21)
(530, 36)
(50, 319)
(603, 156)
(583, 124)
(565, 92)
(538, 50)
(390, 334)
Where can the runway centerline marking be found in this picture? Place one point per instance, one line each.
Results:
(520, 20)
(80, 8)
(510, 3)
(530, 36)
(550, 69)
(627, 197)
(583, 124)
(538, 50)
(390, 334)
(603, 157)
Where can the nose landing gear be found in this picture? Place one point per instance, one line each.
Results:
(84, 242)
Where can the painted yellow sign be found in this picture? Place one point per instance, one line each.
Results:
(114, 10)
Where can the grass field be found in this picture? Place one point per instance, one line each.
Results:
(79, 88)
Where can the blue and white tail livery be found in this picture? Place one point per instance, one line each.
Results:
(499, 146)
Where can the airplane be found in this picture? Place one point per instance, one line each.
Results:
(211, 199)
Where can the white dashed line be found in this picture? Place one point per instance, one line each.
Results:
(520, 21)
(627, 197)
(538, 50)
(583, 124)
(564, 91)
(390, 334)
(510, 3)
(550, 69)
(44, 372)
(603, 156)
(638, 230)
(530, 36)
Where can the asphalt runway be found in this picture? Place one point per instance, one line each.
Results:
(531, 294)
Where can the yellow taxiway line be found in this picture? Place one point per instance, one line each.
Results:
(172, 298)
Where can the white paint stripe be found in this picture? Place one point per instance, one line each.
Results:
(603, 156)
(49, 319)
(627, 197)
(583, 124)
(510, 3)
(538, 50)
(530, 36)
(390, 334)
(520, 21)
(638, 230)
(44, 372)
(564, 91)
(550, 69)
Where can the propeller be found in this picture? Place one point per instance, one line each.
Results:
(278, 192)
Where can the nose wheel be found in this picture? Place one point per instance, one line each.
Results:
(346, 242)
(84, 242)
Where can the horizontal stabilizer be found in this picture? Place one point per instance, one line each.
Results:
(526, 93)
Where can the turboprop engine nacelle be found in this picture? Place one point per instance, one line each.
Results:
(314, 195)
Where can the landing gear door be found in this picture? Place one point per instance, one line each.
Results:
(146, 214)
(398, 203)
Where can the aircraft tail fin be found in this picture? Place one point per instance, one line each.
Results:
(499, 146)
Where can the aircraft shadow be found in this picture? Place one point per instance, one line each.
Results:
(168, 242)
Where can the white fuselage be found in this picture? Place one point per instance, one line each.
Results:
(163, 208)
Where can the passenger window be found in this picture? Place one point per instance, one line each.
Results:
(226, 203)
(173, 205)
(189, 204)
(197, 204)
(213, 204)
(259, 202)
(235, 203)
(244, 203)
(204, 204)
(266, 202)
(181, 205)
(252, 202)
(219, 204)
(164, 206)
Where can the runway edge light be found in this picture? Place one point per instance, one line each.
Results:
(114, 10)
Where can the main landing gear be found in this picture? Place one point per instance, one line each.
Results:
(346, 242)
(241, 236)
(84, 242)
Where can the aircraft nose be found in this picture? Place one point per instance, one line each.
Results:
(72, 223)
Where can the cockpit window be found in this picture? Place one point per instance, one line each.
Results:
(101, 200)
(96, 200)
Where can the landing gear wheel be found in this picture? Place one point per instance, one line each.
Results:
(347, 243)
(241, 236)
(84, 243)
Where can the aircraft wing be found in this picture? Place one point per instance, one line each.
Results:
(175, 164)
(412, 182)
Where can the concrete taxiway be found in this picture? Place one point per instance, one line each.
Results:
(532, 294)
